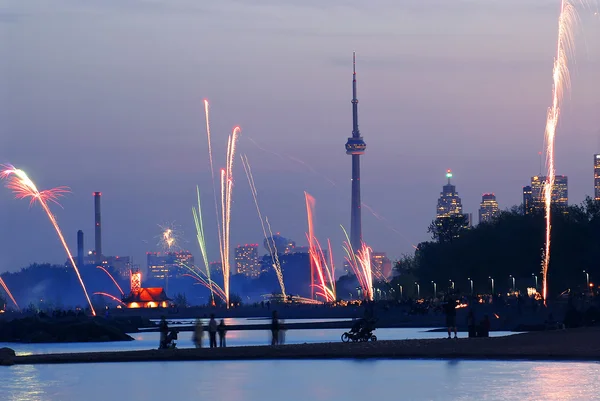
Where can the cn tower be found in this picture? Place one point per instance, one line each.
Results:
(355, 147)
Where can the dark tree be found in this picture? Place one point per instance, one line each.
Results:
(446, 229)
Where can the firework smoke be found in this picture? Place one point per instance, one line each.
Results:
(23, 187)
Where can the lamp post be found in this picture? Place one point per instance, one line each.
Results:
(434, 288)
(418, 290)
(471, 282)
(400, 288)
(513, 282)
(492, 281)
(535, 276)
(587, 279)
(451, 283)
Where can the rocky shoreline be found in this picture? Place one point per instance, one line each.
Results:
(561, 345)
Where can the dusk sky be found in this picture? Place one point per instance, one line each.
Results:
(107, 96)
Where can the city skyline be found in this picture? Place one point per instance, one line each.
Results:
(126, 122)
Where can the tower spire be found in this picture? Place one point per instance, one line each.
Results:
(355, 132)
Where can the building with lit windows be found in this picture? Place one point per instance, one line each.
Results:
(168, 264)
(449, 202)
(597, 177)
(246, 260)
(279, 244)
(488, 209)
(559, 195)
(381, 265)
(527, 200)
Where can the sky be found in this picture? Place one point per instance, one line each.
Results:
(108, 96)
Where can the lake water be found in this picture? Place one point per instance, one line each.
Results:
(328, 380)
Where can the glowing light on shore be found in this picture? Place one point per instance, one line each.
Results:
(112, 278)
(561, 82)
(10, 295)
(23, 188)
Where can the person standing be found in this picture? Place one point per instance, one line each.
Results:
(198, 333)
(164, 331)
(274, 329)
(212, 331)
(471, 324)
(451, 317)
(222, 332)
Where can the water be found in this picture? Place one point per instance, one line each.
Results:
(329, 380)
(234, 338)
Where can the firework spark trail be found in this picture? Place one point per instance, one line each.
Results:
(202, 241)
(111, 297)
(561, 82)
(318, 262)
(273, 252)
(3, 284)
(360, 262)
(112, 278)
(226, 193)
(212, 173)
(209, 284)
(23, 187)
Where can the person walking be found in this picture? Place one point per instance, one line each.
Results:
(222, 332)
(212, 331)
(198, 333)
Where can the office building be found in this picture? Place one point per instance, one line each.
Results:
(488, 209)
(559, 194)
(449, 202)
(527, 200)
(246, 260)
(168, 264)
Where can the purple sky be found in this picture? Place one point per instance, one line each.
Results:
(107, 96)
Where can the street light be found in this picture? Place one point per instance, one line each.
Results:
(513, 282)
(471, 281)
(434, 288)
(534, 275)
(492, 281)
(587, 279)
(400, 288)
(418, 290)
(451, 283)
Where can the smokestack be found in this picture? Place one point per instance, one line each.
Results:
(79, 248)
(97, 228)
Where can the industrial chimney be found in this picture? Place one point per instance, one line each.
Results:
(97, 228)
(79, 248)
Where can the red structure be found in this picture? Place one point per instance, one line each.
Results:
(140, 297)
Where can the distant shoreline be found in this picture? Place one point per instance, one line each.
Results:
(561, 345)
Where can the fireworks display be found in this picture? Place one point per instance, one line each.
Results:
(561, 82)
(197, 213)
(104, 294)
(10, 295)
(169, 237)
(360, 263)
(23, 188)
(269, 239)
(320, 268)
(112, 278)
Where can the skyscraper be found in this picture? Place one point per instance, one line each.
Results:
(488, 209)
(448, 203)
(246, 260)
(527, 200)
(597, 177)
(355, 147)
(560, 191)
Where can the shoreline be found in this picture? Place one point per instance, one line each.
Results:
(562, 345)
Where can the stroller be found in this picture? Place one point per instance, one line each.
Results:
(361, 331)
(169, 342)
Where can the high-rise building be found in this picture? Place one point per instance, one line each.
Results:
(381, 265)
(488, 209)
(246, 260)
(216, 268)
(559, 195)
(449, 202)
(597, 177)
(355, 146)
(281, 245)
(80, 254)
(527, 200)
(168, 264)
